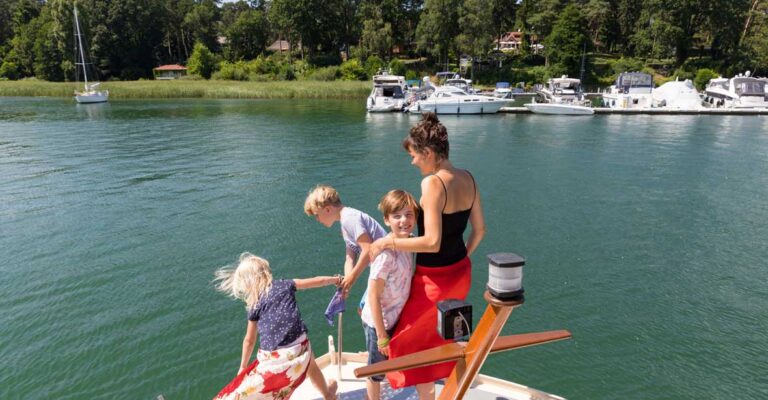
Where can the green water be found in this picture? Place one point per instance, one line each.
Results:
(645, 236)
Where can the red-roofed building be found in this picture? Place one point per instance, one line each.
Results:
(170, 71)
(511, 42)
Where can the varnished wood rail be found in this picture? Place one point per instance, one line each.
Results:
(469, 356)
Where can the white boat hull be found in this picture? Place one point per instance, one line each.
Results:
(490, 106)
(351, 388)
(559, 109)
(384, 104)
(92, 97)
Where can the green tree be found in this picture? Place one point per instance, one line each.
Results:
(246, 36)
(201, 22)
(597, 14)
(476, 37)
(564, 46)
(438, 28)
(376, 37)
(202, 62)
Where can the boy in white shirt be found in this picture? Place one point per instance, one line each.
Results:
(389, 283)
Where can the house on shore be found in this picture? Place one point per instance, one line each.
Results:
(169, 71)
(511, 42)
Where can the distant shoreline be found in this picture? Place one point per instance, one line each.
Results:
(212, 89)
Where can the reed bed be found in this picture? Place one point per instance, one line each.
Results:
(198, 89)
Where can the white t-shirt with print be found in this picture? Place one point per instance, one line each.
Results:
(396, 268)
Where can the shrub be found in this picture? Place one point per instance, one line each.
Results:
(373, 65)
(626, 65)
(352, 70)
(411, 74)
(397, 67)
(703, 76)
(9, 70)
(237, 71)
(202, 62)
(325, 74)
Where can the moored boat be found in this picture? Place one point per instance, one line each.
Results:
(452, 100)
(90, 94)
(741, 91)
(559, 109)
(562, 96)
(388, 93)
(680, 95)
(632, 90)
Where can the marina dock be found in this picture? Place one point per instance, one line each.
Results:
(656, 111)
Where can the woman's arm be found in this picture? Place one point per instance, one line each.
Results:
(248, 343)
(375, 288)
(477, 221)
(432, 202)
(317, 281)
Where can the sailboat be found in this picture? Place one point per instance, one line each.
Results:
(90, 94)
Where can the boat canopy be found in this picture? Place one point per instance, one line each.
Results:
(502, 85)
(634, 80)
(749, 86)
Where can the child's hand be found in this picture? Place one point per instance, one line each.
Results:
(347, 283)
(383, 345)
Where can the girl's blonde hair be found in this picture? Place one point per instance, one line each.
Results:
(249, 281)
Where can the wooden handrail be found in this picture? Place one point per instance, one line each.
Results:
(455, 351)
(470, 356)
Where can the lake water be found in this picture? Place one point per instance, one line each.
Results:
(645, 236)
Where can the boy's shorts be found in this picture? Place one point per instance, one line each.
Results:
(371, 343)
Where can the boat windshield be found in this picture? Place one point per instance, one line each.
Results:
(749, 87)
(723, 84)
(634, 79)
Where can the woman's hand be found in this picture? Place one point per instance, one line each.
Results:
(377, 247)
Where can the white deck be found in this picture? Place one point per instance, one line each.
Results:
(484, 387)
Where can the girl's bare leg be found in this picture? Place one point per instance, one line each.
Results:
(426, 391)
(328, 390)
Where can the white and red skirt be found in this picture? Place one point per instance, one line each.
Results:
(273, 376)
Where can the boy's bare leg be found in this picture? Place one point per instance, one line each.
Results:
(328, 390)
(373, 389)
(426, 391)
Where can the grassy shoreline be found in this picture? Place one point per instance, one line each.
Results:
(197, 89)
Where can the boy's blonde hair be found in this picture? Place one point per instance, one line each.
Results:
(249, 281)
(396, 200)
(320, 197)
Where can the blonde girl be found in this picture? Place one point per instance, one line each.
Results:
(284, 357)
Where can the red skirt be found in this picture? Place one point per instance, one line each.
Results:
(417, 328)
(273, 375)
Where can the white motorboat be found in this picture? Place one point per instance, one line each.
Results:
(461, 83)
(90, 94)
(388, 93)
(680, 95)
(741, 91)
(632, 90)
(562, 96)
(452, 100)
(559, 109)
(502, 90)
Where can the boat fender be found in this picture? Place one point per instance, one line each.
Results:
(481, 110)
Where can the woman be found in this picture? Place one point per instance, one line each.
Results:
(449, 199)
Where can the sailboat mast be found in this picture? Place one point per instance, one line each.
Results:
(82, 53)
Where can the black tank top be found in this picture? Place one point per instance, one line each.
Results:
(452, 247)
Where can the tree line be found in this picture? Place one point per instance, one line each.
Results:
(128, 38)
